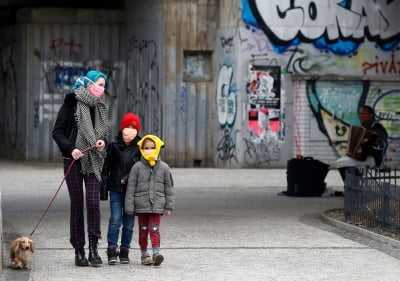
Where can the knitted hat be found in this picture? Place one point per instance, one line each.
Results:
(130, 119)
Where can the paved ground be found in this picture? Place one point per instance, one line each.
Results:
(230, 224)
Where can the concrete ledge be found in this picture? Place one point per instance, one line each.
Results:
(358, 230)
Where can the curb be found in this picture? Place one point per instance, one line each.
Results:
(358, 230)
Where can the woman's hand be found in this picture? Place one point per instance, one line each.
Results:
(100, 145)
(76, 154)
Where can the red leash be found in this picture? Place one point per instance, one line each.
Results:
(58, 190)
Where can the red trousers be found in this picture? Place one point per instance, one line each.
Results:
(149, 224)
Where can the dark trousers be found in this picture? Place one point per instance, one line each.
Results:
(344, 170)
(75, 181)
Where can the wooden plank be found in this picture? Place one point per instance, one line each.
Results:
(202, 42)
(180, 128)
(201, 123)
(191, 117)
(191, 26)
(211, 126)
(169, 54)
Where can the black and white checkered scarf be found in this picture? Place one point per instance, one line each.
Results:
(89, 131)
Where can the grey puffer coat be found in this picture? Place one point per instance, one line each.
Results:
(150, 189)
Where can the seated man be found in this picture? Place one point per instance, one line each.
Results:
(373, 146)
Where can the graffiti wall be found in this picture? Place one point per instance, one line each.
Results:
(344, 38)
(39, 63)
(9, 125)
(227, 113)
(343, 53)
(263, 108)
(143, 95)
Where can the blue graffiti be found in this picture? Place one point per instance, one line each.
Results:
(247, 15)
(287, 23)
(66, 76)
(340, 48)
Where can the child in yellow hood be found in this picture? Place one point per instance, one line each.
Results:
(149, 195)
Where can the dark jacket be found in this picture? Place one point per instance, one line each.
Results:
(375, 142)
(118, 163)
(65, 129)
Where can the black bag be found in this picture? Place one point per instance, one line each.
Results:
(306, 177)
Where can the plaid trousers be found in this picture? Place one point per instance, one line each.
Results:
(75, 181)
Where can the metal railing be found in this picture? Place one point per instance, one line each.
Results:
(372, 198)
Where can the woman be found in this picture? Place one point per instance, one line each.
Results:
(82, 124)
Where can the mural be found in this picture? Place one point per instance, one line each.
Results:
(335, 105)
(335, 26)
(353, 45)
(344, 38)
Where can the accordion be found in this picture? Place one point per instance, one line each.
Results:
(355, 138)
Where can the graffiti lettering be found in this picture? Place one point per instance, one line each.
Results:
(382, 67)
(36, 114)
(226, 97)
(182, 101)
(58, 44)
(65, 76)
(329, 18)
(300, 62)
(261, 151)
(226, 42)
(256, 43)
(143, 96)
(226, 147)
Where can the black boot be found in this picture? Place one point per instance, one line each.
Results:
(94, 257)
(80, 259)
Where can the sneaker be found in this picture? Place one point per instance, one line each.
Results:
(112, 255)
(146, 260)
(157, 259)
(123, 255)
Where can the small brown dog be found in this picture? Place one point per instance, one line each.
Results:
(20, 252)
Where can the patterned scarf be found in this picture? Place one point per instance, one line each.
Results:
(88, 133)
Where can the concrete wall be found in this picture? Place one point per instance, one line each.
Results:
(227, 83)
(170, 75)
(326, 60)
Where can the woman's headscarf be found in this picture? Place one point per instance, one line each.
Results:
(92, 75)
